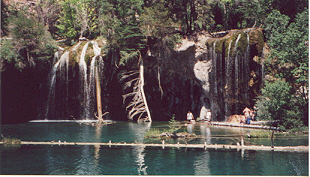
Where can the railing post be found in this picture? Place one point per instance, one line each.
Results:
(242, 141)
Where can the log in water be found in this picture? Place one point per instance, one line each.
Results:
(178, 145)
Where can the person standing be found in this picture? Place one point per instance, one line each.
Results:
(209, 116)
(247, 114)
(190, 116)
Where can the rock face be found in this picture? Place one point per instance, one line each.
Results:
(222, 74)
(228, 70)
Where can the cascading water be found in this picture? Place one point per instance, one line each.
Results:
(50, 107)
(215, 66)
(88, 81)
(91, 84)
(247, 66)
(227, 79)
(71, 85)
(237, 73)
(84, 84)
(230, 85)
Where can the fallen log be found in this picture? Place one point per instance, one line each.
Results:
(244, 125)
(178, 145)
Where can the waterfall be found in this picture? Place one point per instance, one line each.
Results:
(237, 74)
(247, 68)
(215, 67)
(83, 83)
(88, 81)
(52, 83)
(70, 91)
(91, 83)
(232, 63)
(227, 108)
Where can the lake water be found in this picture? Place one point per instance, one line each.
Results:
(102, 160)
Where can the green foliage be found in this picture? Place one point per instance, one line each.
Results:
(155, 132)
(256, 11)
(160, 28)
(66, 23)
(277, 103)
(122, 28)
(31, 43)
(78, 18)
(286, 99)
(276, 24)
(259, 134)
(172, 120)
(8, 54)
(288, 49)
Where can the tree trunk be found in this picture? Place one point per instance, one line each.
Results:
(98, 93)
(142, 90)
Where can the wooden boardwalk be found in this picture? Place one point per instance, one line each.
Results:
(178, 145)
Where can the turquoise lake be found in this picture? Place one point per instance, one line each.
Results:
(102, 160)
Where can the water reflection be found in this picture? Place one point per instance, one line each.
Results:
(206, 131)
(139, 129)
(202, 164)
(102, 160)
(190, 128)
(98, 131)
(140, 159)
(96, 155)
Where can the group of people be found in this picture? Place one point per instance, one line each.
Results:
(191, 118)
(250, 114)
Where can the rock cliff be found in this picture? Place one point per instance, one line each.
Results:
(229, 70)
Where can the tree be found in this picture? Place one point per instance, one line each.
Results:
(289, 49)
(47, 13)
(122, 28)
(31, 43)
(67, 22)
(277, 103)
(125, 41)
(183, 10)
(256, 11)
(285, 96)
(4, 20)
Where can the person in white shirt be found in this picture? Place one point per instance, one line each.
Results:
(190, 116)
(209, 116)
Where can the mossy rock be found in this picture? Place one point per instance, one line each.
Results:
(243, 42)
(257, 39)
(219, 45)
(73, 61)
(74, 57)
(210, 42)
